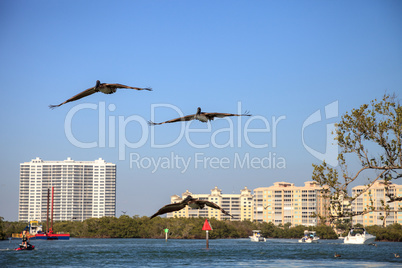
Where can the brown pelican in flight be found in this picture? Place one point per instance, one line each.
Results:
(99, 87)
(192, 203)
(201, 116)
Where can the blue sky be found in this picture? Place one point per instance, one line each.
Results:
(276, 59)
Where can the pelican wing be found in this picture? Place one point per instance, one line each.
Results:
(169, 208)
(213, 205)
(81, 95)
(184, 118)
(124, 86)
(211, 116)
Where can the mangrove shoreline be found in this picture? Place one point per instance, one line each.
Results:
(188, 228)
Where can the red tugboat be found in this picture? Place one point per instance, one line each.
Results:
(49, 235)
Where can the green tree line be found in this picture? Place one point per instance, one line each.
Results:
(187, 228)
(180, 228)
(2, 232)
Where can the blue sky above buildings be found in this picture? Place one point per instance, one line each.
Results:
(281, 60)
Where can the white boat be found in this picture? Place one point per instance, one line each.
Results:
(309, 237)
(256, 237)
(359, 236)
(34, 227)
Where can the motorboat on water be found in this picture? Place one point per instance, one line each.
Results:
(359, 236)
(309, 237)
(28, 247)
(257, 237)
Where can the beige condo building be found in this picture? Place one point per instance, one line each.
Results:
(240, 206)
(286, 203)
(281, 203)
(373, 196)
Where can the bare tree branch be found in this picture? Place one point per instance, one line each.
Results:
(374, 128)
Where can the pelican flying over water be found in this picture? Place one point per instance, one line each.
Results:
(192, 203)
(99, 87)
(201, 116)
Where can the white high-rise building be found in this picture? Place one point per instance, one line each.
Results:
(82, 189)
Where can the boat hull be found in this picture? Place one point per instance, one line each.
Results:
(309, 237)
(359, 236)
(257, 239)
(53, 236)
(359, 240)
(308, 240)
(30, 247)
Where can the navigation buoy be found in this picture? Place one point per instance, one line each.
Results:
(207, 227)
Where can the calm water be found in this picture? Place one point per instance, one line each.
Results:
(177, 253)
